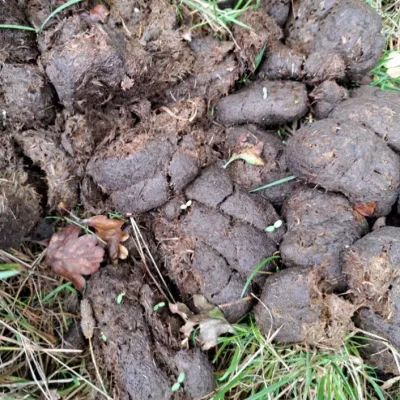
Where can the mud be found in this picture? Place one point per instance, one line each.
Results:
(304, 314)
(267, 103)
(141, 356)
(343, 156)
(320, 226)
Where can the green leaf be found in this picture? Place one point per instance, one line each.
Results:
(120, 297)
(258, 59)
(8, 274)
(175, 386)
(21, 27)
(181, 377)
(270, 229)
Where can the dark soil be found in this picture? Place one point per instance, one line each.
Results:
(138, 113)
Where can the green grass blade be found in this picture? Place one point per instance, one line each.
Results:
(67, 286)
(256, 270)
(278, 182)
(8, 274)
(20, 27)
(56, 11)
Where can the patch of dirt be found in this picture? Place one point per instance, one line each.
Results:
(141, 355)
(320, 226)
(267, 103)
(343, 156)
(19, 201)
(304, 313)
(212, 247)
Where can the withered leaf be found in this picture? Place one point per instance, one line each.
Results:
(72, 256)
(365, 209)
(110, 231)
(248, 152)
(211, 321)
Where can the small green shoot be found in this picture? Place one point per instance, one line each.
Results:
(268, 185)
(115, 215)
(176, 386)
(256, 270)
(258, 59)
(159, 306)
(9, 270)
(265, 93)
(103, 336)
(274, 226)
(120, 297)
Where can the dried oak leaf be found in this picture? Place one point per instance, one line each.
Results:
(211, 321)
(110, 231)
(72, 256)
(365, 209)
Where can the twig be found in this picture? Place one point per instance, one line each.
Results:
(139, 239)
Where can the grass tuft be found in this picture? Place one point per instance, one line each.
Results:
(250, 366)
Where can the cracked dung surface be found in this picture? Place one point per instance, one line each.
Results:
(213, 246)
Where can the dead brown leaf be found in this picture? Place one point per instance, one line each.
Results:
(365, 209)
(72, 256)
(211, 321)
(110, 231)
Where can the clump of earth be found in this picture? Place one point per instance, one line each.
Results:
(137, 113)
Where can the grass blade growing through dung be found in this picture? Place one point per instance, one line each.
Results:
(268, 185)
(256, 270)
(56, 11)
